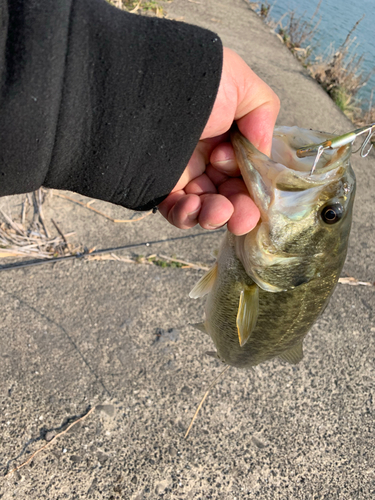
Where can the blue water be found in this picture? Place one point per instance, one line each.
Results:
(337, 19)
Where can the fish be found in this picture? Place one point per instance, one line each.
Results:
(268, 287)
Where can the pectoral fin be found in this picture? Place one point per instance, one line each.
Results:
(200, 326)
(205, 284)
(247, 314)
(212, 354)
(294, 355)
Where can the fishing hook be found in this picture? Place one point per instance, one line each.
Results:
(338, 142)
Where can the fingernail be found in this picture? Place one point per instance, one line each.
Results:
(215, 226)
(225, 163)
(193, 214)
(226, 160)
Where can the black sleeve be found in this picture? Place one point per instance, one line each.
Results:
(99, 101)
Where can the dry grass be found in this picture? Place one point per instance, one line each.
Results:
(154, 259)
(263, 9)
(150, 7)
(297, 33)
(340, 74)
(28, 234)
(49, 443)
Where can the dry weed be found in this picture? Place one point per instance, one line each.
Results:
(148, 7)
(340, 74)
(263, 9)
(297, 33)
(28, 235)
(294, 31)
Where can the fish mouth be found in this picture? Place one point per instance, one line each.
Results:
(287, 141)
(285, 171)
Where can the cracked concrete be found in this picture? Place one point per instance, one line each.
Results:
(117, 336)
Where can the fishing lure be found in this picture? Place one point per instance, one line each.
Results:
(338, 142)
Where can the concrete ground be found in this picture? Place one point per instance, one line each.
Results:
(116, 336)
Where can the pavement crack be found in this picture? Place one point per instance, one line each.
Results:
(68, 336)
(48, 435)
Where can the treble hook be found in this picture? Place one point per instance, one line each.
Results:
(338, 142)
(368, 140)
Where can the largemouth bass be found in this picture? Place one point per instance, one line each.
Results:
(268, 287)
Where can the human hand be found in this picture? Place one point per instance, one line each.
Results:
(211, 191)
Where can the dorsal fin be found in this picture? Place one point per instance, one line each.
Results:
(247, 314)
(293, 355)
(205, 284)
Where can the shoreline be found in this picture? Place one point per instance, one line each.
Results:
(339, 74)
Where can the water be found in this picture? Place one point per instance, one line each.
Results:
(337, 19)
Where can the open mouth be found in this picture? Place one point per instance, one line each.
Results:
(298, 149)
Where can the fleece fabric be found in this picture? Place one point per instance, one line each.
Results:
(100, 101)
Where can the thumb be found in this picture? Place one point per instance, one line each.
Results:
(244, 97)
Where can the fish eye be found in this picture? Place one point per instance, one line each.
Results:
(332, 213)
